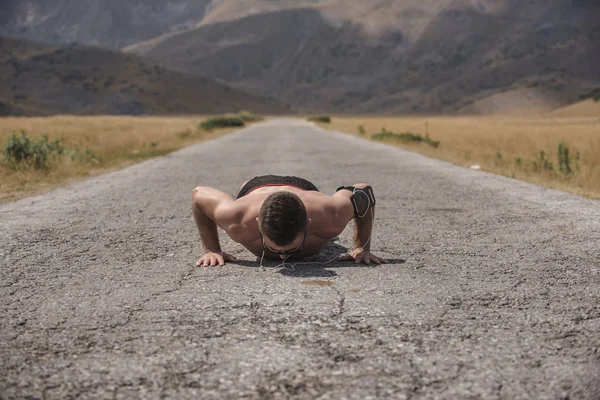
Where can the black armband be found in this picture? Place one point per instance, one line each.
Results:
(362, 199)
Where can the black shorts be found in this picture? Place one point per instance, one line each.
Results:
(275, 180)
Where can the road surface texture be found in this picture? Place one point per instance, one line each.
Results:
(492, 292)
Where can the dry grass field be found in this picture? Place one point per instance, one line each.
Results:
(522, 148)
(510, 146)
(96, 145)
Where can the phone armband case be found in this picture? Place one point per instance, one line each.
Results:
(362, 199)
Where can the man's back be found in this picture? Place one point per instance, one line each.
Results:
(324, 217)
(322, 226)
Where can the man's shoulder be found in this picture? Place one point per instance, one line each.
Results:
(243, 212)
(328, 214)
(247, 205)
(240, 221)
(314, 199)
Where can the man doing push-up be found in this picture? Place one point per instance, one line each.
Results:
(283, 216)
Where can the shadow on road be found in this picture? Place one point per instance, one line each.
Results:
(316, 266)
(326, 270)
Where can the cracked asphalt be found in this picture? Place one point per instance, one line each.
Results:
(493, 290)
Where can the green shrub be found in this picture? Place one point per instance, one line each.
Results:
(247, 116)
(81, 156)
(564, 160)
(320, 118)
(432, 143)
(222, 122)
(361, 130)
(22, 152)
(405, 137)
(543, 163)
(519, 161)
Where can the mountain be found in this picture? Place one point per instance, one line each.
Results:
(119, 23)
(589, 108)
(107, 23)
(41, 79)
(377, 56)
(445, 56)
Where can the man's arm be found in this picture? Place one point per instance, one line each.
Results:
(212, 208)
(343, 212)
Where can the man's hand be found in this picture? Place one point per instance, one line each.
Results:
(360, 255)
(214, 258)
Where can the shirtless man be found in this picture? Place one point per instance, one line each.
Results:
(277, 217)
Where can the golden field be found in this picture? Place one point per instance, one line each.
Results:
(509, 146)
(111, 143)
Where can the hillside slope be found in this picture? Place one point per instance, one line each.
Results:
(456, 58)
(107, 23)
(549, 50)
(589, 108)
(384, 56)
(41, 79)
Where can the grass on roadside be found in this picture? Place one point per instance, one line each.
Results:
(66, 148)
(221, 122)
(325, 119)
(404, 137)
(230, 120)
(557, 152)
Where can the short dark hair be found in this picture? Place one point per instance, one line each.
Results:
(282, 217)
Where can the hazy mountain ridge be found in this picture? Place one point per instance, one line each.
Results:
(378, 56)
(546, 53)
(269, 61)
(553, 51)
(42, 79)
(108, 23)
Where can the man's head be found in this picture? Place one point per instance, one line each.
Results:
(282, 218)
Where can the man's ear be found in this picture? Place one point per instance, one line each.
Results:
(309, 221)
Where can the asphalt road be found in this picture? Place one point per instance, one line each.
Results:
(493, 290)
